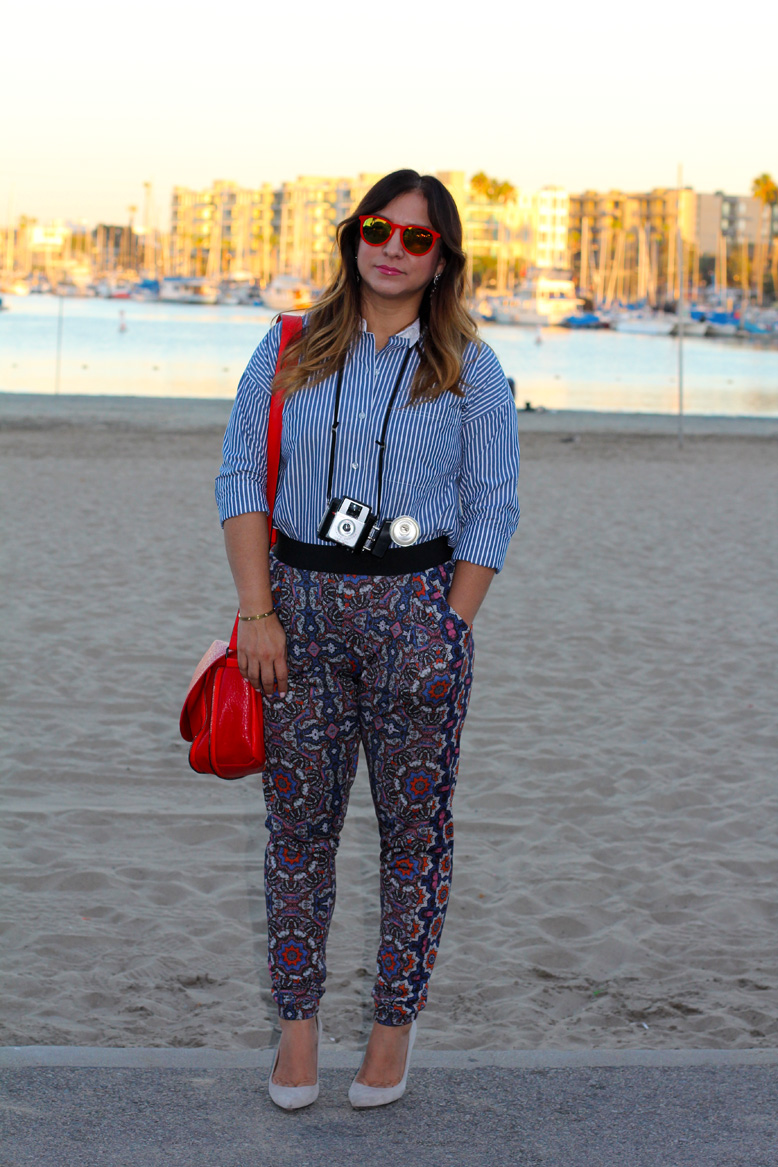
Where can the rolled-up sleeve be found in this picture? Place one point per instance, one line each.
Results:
(241, 484)
(490, 466)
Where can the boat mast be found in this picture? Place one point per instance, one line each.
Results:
(642, 281)
(680, 307)
(214, 264)
(605, 245)
(616, 269)
(8, 259)
(653, 267)
(149, 250)
(670, 282)
(583, 278)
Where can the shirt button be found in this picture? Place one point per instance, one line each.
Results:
(362, 416)
(355, 465)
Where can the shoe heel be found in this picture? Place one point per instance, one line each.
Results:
(296, 1097)
(361, 1096)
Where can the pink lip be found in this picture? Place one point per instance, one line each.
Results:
(388, 271)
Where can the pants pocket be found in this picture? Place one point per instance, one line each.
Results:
(432, 595)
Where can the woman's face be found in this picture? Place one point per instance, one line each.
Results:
(388, 271)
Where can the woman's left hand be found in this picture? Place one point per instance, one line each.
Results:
(468, 589)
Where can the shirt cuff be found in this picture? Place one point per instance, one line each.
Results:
(239, 495)
(485, 546)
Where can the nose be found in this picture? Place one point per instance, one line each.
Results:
(393, 245)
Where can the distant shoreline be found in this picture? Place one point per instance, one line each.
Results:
(198, 413)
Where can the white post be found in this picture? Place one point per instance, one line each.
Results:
(60, 317)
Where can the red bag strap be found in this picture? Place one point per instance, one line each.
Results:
(233, 645)
(291, 327)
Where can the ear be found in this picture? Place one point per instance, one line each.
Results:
(441, 265)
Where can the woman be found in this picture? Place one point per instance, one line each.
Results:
(396, 502)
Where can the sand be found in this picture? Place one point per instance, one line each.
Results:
(616, 861)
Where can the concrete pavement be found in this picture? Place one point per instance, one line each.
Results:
(68, 1107)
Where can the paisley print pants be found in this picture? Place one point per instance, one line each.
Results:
(383, 660)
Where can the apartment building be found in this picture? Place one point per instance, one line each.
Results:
(550, 220)
(227, 230)
(306, 214)
(504, 239)
(218, 231)
(703, 218)
(497, 240)
(627, 244)
(42, 248)
(745, 219)
(290, 230)
(223, 230)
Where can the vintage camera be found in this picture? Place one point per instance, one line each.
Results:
(353, 525)
(348, 523)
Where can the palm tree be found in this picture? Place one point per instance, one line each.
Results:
(766, 190)
(763, 187)
(492, 189)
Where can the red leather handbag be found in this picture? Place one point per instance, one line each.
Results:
(222, 713)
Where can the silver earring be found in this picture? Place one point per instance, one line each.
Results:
(435, 282)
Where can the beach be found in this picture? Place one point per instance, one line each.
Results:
(615, 859)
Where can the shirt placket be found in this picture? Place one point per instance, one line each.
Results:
(365, 409)
(386, 366)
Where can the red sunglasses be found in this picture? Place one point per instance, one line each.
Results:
(377, 230)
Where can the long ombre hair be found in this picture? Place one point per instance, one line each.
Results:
(334, 322)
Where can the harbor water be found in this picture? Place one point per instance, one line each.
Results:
(153, 349)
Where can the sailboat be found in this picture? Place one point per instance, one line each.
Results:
(646, 321)
(287, 293)
(547, 298)
(188, 290)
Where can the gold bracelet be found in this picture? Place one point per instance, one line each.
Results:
(261, 616)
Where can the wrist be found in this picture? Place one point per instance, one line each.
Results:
(248, 605)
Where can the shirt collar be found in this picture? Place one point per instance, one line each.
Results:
(411, 333)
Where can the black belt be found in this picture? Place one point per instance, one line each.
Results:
(340, 561)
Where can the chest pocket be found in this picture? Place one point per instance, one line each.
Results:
(424, 441)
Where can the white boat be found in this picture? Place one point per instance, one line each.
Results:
(545, 299)
(723, 324)
(70, 290)
(238, 289)
(17, 287)
(760, 322)
(285, 293)
(188, 290)
(113, 288)
(645, 321)
(39, 284)
(694, 325)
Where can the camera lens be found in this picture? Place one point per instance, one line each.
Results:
(345, 527)
(354, 509)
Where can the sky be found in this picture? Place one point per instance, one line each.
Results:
(97, 99)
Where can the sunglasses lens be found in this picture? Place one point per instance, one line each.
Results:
(376, 231)
(417, 241)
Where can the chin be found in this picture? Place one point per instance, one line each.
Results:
(392, 286)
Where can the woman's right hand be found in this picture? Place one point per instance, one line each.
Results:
(262, 655)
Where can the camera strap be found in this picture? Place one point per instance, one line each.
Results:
(380, 442)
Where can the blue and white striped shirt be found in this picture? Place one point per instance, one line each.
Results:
(452, 464)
